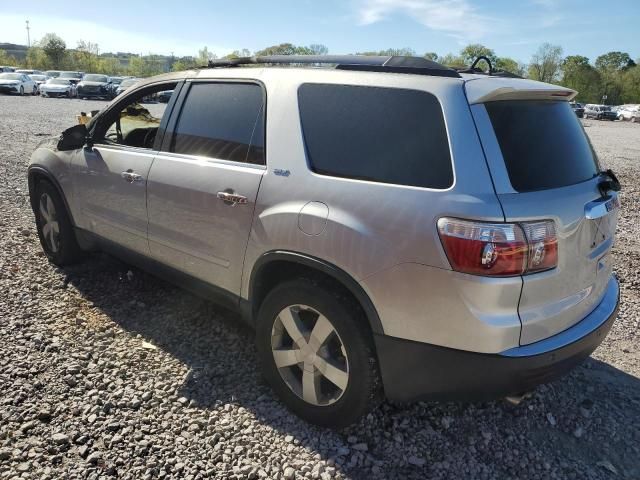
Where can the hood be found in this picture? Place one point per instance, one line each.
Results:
(9, 82)
(92, 84)
(55, 87)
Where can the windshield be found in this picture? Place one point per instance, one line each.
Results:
(52, 73)
(58, 81)
(128, 83)
(116, 80)
(38, 77)
(10, 76)
(95, 78)
(70, 75)
(543, 144)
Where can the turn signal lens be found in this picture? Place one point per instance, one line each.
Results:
(499, 249)
(543, 245)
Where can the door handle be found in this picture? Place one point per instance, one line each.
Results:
(131, 177)
(231, 198)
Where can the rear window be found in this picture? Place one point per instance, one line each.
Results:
(378, 134)
(543, 144)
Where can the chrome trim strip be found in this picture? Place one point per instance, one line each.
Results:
(583, 328)
(600, 208)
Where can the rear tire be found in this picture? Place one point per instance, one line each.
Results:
(55, 230)
(328, 379)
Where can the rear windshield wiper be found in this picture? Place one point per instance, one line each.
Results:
(608, 182)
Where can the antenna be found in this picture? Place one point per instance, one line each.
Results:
(28, 35)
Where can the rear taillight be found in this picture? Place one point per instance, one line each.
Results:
(499, 249)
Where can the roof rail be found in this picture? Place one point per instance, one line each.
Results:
(491, 72)
(365, 63)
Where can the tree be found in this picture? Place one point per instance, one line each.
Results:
(546, 63)
(433, 56)
(6, 59)
(184, 63)
(318, 49)
(631, 85)
(614, 61)
(146, 66)
(85, 57)
(579, 75)
(54, 48)
(453, 61)
(507, 64)
(390, 52)
(282, 49)
(204, 56)
(471, 52)
(37, 59)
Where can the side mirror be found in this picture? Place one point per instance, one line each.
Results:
(73, 138)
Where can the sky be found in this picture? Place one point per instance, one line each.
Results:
(512, 28)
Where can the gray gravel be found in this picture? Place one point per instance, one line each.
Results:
(108, 372)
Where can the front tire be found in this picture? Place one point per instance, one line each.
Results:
(54, 226)
(21, 93)
(316, 352)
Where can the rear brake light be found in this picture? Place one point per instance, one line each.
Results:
(498, 249)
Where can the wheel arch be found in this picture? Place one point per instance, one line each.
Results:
(37, 173)
(278, 265)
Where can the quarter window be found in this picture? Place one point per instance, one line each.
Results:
(223, 121)
(378, 134)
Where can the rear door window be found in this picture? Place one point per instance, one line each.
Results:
(223, 121)
(543, 144)
(386, 135)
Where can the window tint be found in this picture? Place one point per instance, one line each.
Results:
(543, 144)
(377, 134)
(222, 120)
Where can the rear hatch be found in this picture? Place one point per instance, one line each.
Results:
(544, 168)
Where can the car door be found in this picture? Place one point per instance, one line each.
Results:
(111, 176)
(203, 185)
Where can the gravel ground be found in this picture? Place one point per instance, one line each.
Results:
(108, 372)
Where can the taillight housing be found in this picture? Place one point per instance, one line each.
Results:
(499, 249)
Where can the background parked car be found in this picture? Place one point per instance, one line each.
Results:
(95, 85)
(578, 109)
(629, 112)
(58, 87)
(52, 73)
(74, 77)
(599, 112)
(165, 96)
(29, 72)
(126, 83)
(18, 83)
(39, 80)
(5, 68)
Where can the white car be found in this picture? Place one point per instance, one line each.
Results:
(17, 83)
(58, 87)
(39, 79)
(629, 112)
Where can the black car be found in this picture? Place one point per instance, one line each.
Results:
(95, 85)
(578, 109)
(73, 77)
(600, 112)
(165, 96)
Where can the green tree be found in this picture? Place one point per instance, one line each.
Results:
(146, 66)
(54, 48)
(37, 59)
(6, 59)
(204, 56)
(318, 49)
(453, 61)
(546, 63)
(85, 57)
(475, 50)
(507, 64)
(282, 49)
(631, 85)
(433, 56)
(614, 61)
(579, 75)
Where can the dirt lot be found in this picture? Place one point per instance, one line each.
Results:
(108, 372)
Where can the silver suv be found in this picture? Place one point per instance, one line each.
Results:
(387, 225)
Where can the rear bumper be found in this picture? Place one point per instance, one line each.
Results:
(414, 371)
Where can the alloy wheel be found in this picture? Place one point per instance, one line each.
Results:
(310, 355)
(50, 226)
